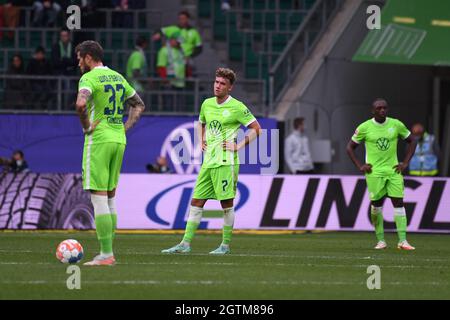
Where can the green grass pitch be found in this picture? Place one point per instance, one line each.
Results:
(274, 266)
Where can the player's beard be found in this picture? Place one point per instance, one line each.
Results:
(85, 69)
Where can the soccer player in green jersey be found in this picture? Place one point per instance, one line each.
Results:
(220, 118)
(382, 170)
(102, 93)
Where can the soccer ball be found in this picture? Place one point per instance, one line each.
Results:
(69, 251)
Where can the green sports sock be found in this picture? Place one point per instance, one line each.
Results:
(226, 235)
(401, 223)
(103, 224)
(114, 224)
(376, 215)
(191, 227)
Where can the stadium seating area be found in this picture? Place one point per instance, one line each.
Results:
(255, 32)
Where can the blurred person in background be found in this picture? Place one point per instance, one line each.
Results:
(15, 89)
(172, 67)
(9, 16)
(188, 37)
(137, 65)
(424, 162)
(40, 88)
(45, 13)
(63, 58)
(161, 166)
(296, 150)
(16, 164)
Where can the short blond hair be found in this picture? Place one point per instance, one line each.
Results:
(227, 74)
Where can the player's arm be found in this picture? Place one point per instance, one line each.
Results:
(201, 135)
(411, 148)
(81, 107)
(137, 107)
(254, 130)
(351, 147)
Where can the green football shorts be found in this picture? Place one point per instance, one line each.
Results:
(392, 186)
(101, 166)
(217, 183)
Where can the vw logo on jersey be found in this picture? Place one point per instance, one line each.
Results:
(215, 127)
(383, 144)
(187, 187)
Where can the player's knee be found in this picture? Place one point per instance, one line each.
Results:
(377, 203)
(198, 203)
(397, 202)
(226, 203)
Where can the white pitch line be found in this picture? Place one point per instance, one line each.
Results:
(312, 265)
(25, 263)
(216, 282)
(321, 265)
(291, 256)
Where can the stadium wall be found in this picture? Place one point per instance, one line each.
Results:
(54, 143)
(56, 201)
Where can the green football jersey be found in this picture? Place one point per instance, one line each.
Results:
(381, 143)
(189, 38)
(222, 122)
(109, 90)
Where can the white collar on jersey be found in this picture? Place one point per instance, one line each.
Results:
(100, 67)
(380, 124)
(226, 101)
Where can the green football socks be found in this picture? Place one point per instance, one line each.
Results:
(401, 223)
(226, 234)
(191, 227)
(376, 215)
(104, 226)
(228, 222)
(114, 224)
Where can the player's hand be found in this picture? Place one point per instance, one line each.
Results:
(399, 168)
(204, 145)
(230, 146)
(366, 168)
(92, 127)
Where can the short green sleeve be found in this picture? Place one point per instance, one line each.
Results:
(244, 116)
(129, 91)
(197, 40)
(360, 134)
(403, 131)
(202, 118)
(136, 61)
(86, 83)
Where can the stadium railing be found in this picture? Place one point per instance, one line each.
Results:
(299, 47)
(46, 37)
(116, 59)
(141, 18)
(57, 94)
(273, 4)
